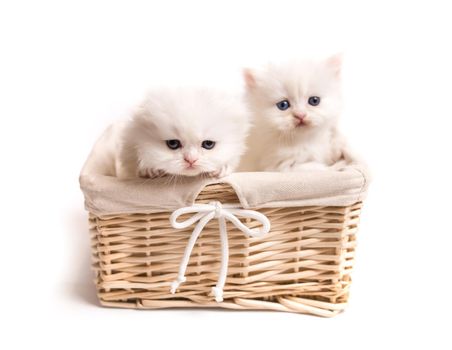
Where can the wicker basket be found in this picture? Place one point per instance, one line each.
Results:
(302, 265)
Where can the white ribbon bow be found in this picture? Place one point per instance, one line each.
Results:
(205, 213)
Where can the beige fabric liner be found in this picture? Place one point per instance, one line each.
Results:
(107, 195)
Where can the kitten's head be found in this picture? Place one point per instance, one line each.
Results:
(189, 131)
(297, 97)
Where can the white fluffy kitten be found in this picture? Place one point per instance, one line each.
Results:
(296, 107)
(184, 132)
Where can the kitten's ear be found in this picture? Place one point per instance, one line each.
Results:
(250, 78)
(335, 63)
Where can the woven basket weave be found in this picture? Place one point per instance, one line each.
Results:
(303, 265)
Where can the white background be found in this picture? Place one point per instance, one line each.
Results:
(67, 69)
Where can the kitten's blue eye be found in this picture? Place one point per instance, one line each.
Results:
(314, 100)
(283, 105)
(173, 144)
(208, 144)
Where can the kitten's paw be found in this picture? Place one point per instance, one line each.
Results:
(339, 165)
(151, 173)
(222, 172)
(155, 173)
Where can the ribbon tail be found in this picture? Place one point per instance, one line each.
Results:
(218, 289)
(188, 249)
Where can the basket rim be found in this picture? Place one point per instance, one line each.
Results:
(105, 195)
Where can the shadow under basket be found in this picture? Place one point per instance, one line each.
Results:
(302, 265)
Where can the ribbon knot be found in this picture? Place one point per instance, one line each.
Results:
(218, 208)
(204, 213)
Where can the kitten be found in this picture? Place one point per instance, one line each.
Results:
(185, 132)
(296, 108)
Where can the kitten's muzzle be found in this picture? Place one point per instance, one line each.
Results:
(190, 161)
(300, 119)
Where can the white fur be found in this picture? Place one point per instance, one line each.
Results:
(277, 142)
(104, 157)
(191, 116)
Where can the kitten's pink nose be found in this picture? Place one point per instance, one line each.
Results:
(300, 116)
(190, 159)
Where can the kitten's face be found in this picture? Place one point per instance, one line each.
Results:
(189, 132)
(297, 97)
